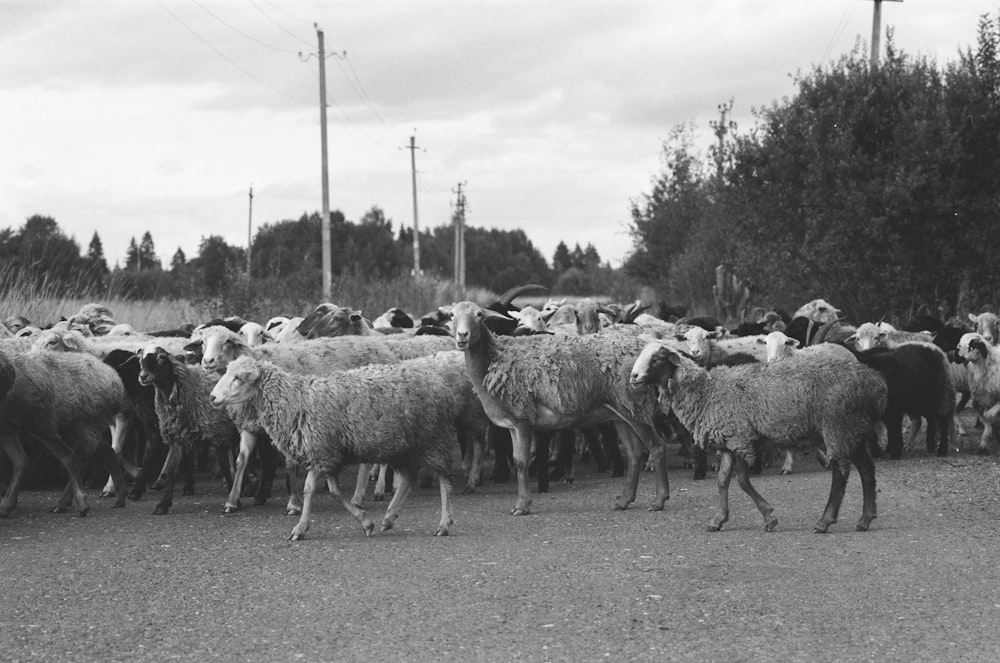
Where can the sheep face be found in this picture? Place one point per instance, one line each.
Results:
(973, 347)
(311, 320)
(529, 318)
(156, 366)
(238, 385)
(56, 341)
(778, 346)
(818, 310)
(467, 324)
(698, 342)
(987, 325)
(868, 336)
(219, 349)
(254, 334)
(655, 365)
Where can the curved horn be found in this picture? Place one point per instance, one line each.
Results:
(822, 332)
(509, 296)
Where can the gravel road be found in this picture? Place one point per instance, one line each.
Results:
(572, 581)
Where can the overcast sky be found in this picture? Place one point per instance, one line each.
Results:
(126, 116)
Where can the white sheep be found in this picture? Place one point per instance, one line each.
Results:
(733, 408)
(255, 334)
(986, 325)
(984, 382)
(392, 414)
(553, 382)
(880, 334)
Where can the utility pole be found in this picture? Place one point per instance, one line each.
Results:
(460, 236)
(721, 129)
(325, 222)
(249, 229)
(877, 31)
(416, 226)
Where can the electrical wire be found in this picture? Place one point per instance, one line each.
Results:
(240, 32)
(228, 59)
(281, 27)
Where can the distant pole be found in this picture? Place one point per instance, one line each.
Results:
(877, 31)
(721, 129)
(416, 224)
(460, 236)
(249, 229)
(327, 262)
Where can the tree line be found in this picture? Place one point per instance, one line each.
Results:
(286, 257)
(875, 188)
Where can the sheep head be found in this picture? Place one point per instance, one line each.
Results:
(468, 324)
(654, 366)
(987, 325)
(869, 335)
(698, 342)
(239, 384)
(973, 347)
(219, 347)
(157, 367)
(778, 345)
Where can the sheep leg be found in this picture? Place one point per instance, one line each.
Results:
(248, 442)
(543, 446)
(472, 462)
(499, 439)
(743, 479)
(168, 477)
(295, 499)
(786, 467)
(50, 439)
(268, 465)
(361, 485)
(838, 485)
(592, 445)
(609, 438)
(916, 423)
(119, 434)
(111, 463)
(723, 478)
(565, 448)
(446, 516)
(301, 527)
(634, 458)
(522, 448)
(19, 460)
(894, 425)
(399, 494)
(987, 436)
(866, 469)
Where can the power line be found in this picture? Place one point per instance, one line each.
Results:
(281, 27)
(225, 57)
(238, 31)
(282, 11)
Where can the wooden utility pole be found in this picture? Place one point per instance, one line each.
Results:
(877, 31)
(721, 129)
(460, 236)
(249, 229)
(325, 222)
(416, 225)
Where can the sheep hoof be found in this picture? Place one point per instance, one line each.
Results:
(785, 472)
(469, 490)
(983, 451)
(368, 527)
(296, 535)
(441, 531)
(293, 511)
(107, 493)
(231, 508)
(386, 526)
(569, 481)
(655, 506)
(769, 525)
(119, 503)
(621, 504)
(161, 510)
(821, 528)
(83, 512)
(519, 511)
(712, 527)
(159, 484)
(379, 497)
(60, 508)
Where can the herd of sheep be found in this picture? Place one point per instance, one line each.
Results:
(432, 397)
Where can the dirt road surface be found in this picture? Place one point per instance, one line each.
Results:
(572, 581)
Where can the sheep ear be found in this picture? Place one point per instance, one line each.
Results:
(794, 342)
(193, 346)
(680, 337)
(973, 317)
(853, 338)
(761, 341)
(674, 358)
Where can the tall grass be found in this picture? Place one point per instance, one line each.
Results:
(44, 302)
